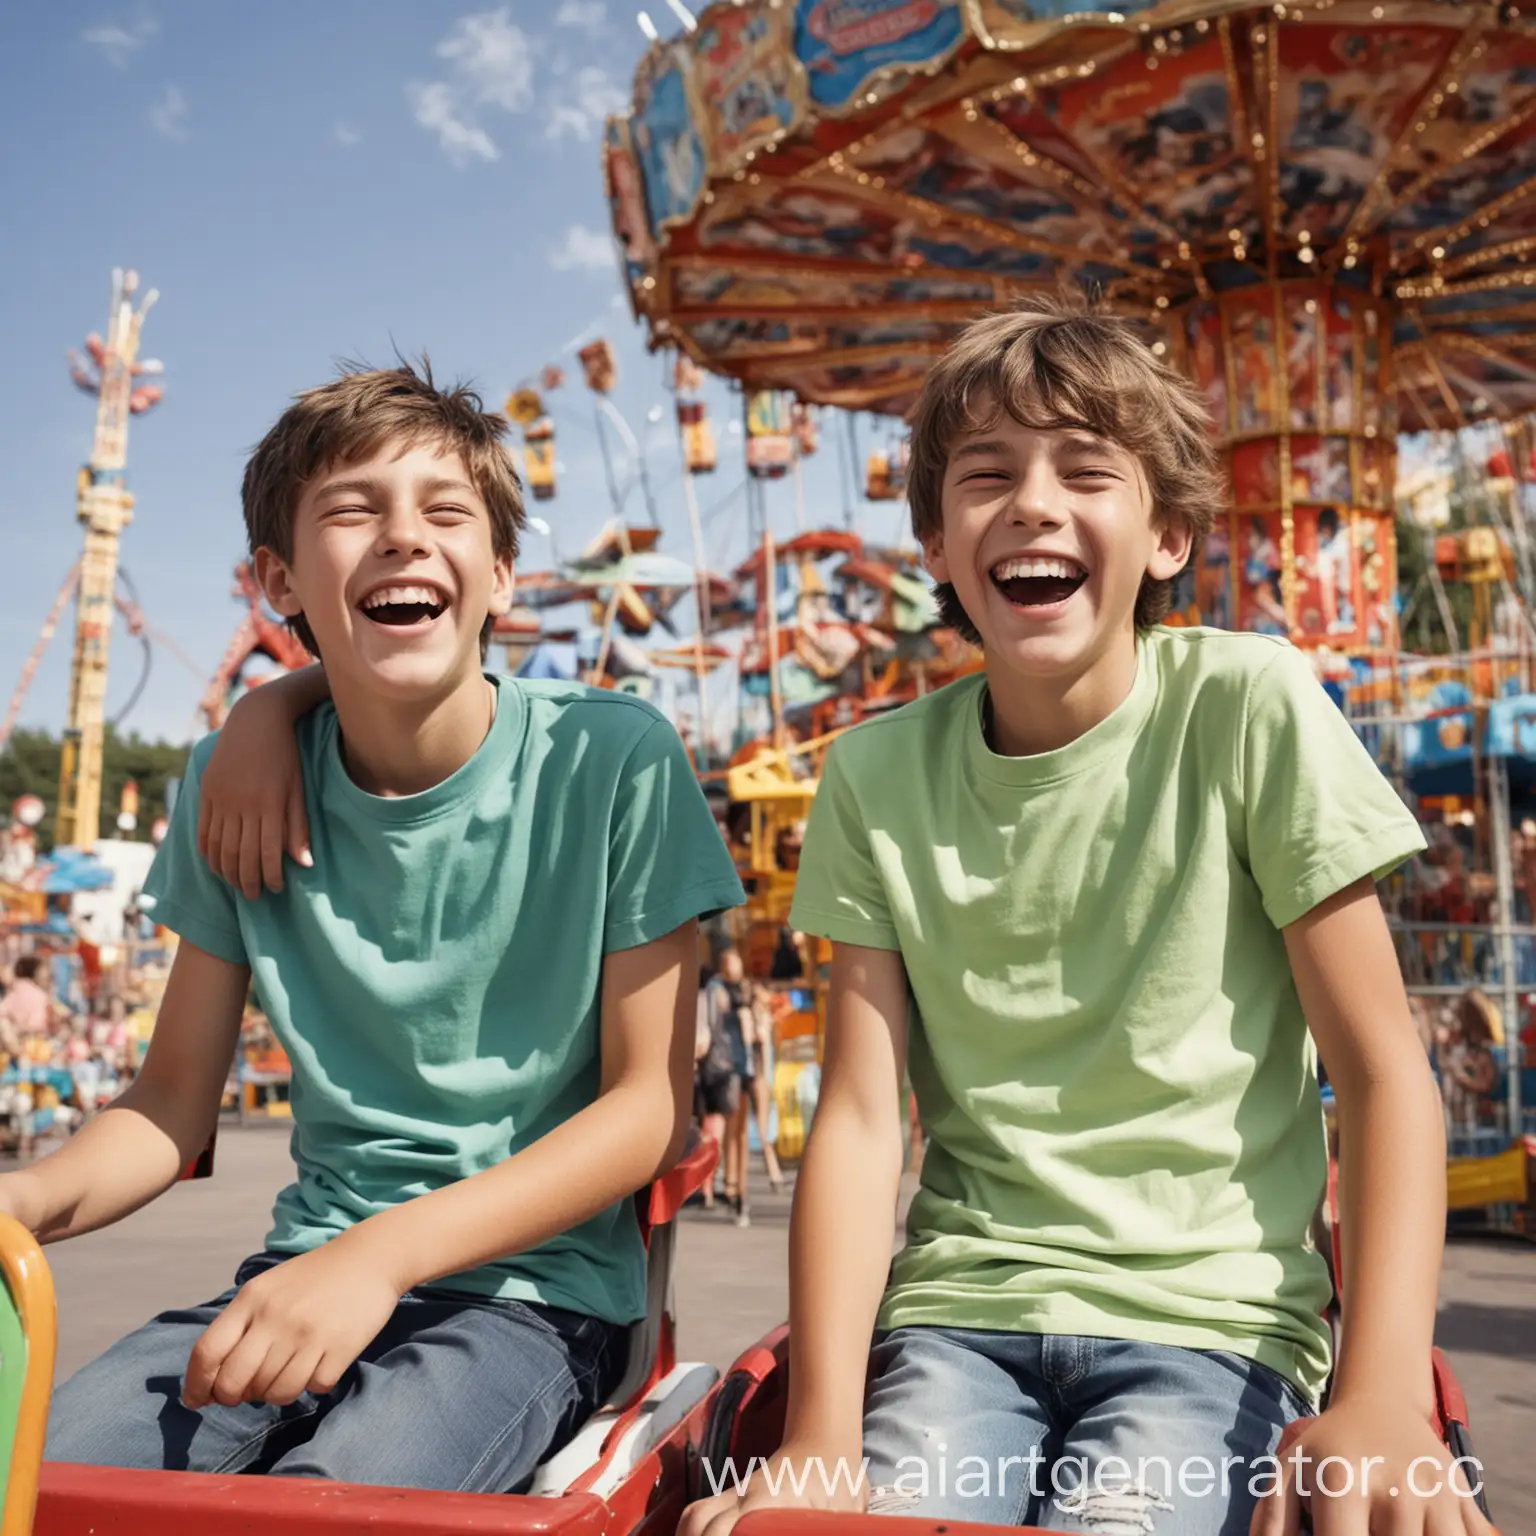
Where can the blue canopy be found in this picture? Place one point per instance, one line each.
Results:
(69, 870)
(1437, 752)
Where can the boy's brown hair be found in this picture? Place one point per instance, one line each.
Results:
(1059, 365)
(353, 417)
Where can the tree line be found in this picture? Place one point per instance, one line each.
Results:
(29, 765)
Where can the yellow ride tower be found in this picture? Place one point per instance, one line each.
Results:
(105, 508)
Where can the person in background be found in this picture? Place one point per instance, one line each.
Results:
(27, 1007)
(728, 1070)
(712, 1078)
(757, 1086)
(1467, 1067)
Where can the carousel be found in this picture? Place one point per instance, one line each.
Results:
(1321, 211)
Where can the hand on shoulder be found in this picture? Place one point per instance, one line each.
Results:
(252, 791)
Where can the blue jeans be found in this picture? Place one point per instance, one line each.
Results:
(457, 1392)
(1104, 1436)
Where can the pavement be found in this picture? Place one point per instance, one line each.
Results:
(732, 1288)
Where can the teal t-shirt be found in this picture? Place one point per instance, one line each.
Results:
(1109, 1055)
(435, 978)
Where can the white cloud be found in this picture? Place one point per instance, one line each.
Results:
(492, 58)
(168, 116)
(584, 15)
(119, 44)
(587, 102)
(491, 63)
(585, 250)
(437, 108)
(346, 136)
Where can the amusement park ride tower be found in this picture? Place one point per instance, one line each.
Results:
(105, 508)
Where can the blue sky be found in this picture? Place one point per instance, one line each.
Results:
(305, 183)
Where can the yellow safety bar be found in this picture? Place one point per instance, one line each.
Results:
(30, 1283)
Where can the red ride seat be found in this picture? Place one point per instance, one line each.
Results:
(746, 1420)
(625, 1473)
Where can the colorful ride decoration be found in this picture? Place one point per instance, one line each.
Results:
(771, 443)
(1323, 211)
(525, 407)
(854, 630)
(700, 454)
(260, 633)
(599, 366)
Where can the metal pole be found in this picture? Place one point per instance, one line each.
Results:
(602, 441)
(701, 627)
(633, 444)
(771, 599)
(1503, 873)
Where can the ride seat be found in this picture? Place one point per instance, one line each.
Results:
(624, 1473)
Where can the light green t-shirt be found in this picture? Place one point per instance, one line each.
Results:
(1110, 1059)
(436, 977)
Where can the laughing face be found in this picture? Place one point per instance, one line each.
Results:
(394, 570)
(1047, 535)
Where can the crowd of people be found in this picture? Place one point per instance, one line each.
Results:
(63, 1053)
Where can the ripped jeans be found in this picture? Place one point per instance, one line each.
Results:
(1104, 1436)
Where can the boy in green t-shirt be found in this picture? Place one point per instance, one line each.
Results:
(484, 973)
(1119, 877)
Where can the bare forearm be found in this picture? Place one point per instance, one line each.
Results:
(611, 1149)
(133, 1151)
(1392, 1206)
(839, 1255)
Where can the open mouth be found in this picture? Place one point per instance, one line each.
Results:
(404, 606)
(1038, 581)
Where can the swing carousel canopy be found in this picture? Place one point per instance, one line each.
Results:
(814, 195)
(1325, 212)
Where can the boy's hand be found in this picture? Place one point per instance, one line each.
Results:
(253, 796)
(295, 1329)
(796, 1477)
(1388, 1472)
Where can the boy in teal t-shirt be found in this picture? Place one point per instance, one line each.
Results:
(1123, 879)
(484, 975)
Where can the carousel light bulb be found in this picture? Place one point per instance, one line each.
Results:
(1307, 254)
